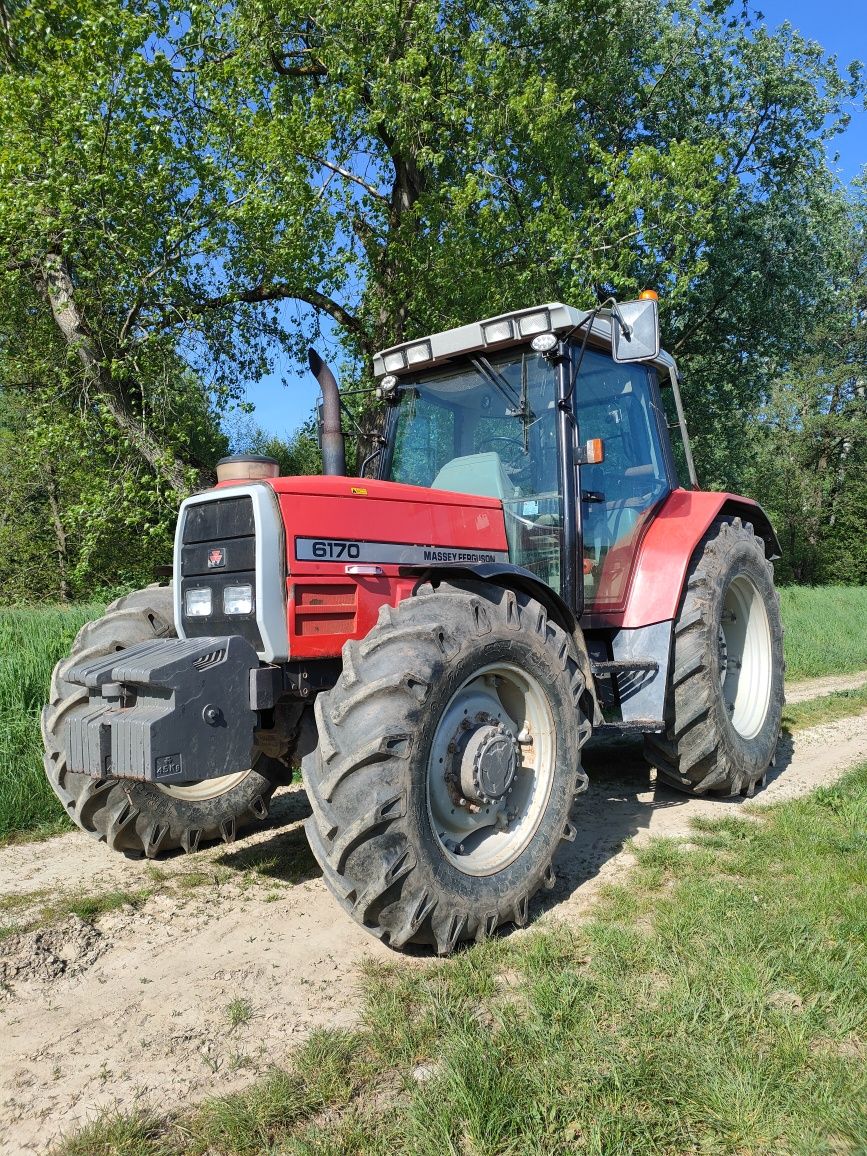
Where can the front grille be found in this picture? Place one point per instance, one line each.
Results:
(223, 518)
(218, 549)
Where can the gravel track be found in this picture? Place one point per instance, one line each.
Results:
(131, 1010)
(815, 687)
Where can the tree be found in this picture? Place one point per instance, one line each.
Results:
(395, 170)
(297, 454)
(808, 449)
(169, 177)
(81, 511)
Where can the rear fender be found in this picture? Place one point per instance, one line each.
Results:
(667, 547)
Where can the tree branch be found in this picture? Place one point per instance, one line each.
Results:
(309, 68)
(260, 294)
(349, 176)
(55, 280)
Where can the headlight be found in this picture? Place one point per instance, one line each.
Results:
(534, 323)
(198, 602)
(387, 386)
(418, 353)
(238, 599)
(394, 361)
(544, 343)
(498, 331)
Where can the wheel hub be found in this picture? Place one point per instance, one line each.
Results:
(490, 768)
(488, 760)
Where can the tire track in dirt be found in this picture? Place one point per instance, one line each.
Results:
(814, 687)
(132, 1011)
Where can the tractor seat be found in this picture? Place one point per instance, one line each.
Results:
(480, 474)
(607, 524)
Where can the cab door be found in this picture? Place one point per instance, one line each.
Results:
(620, 405)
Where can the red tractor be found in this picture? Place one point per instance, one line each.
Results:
(436, 644)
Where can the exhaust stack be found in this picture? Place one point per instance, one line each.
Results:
(333, 447)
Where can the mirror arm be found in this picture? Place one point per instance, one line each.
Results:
(681, 420)
(625, 329)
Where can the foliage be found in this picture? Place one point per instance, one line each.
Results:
(808, 443)
(81, 514)
(169, 177)
(298, 454)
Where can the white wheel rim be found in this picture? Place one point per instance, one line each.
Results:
(205, 789)
(746, 663)
(486, 840)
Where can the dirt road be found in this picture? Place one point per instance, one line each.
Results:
(134, 1009)
(813, 687)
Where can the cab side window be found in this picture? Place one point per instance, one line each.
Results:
(615, 403)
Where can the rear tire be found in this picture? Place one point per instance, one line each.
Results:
(447, 670)
(725, 698)
(132, 817)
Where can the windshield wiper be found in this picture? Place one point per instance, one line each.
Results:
(520, 408)
(495, 378)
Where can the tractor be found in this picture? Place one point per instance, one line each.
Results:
(525, 560)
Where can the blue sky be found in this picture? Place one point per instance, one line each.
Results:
(840, 26)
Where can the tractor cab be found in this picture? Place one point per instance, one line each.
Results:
(553, 413)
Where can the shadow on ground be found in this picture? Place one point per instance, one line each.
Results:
(619, 804)
(286, 857)
(283, 854)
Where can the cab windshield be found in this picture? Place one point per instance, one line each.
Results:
(488, 426)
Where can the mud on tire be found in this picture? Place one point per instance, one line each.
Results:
(372, 828)
(140, 818)
(723, 719)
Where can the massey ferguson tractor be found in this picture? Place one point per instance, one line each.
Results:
(532, 564)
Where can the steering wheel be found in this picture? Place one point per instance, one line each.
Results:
(516, 462)
(499, 437)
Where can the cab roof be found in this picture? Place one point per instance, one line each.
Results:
(496, 333)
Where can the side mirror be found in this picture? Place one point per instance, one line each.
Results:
(640, 341)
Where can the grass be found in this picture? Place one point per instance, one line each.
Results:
(826, 633)
(34, 909)
(716, 1002)
(239, 1012)
(827, 708)
(31, 642)
(826, 630)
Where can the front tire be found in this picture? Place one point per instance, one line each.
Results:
(132, 817)
(447, 763)
(725, 699)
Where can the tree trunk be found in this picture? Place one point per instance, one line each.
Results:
(56, 282)
(59, 532)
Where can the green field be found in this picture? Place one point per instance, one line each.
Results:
(716, 1003)
(826, 630)
(826, 633)
(31, 641)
